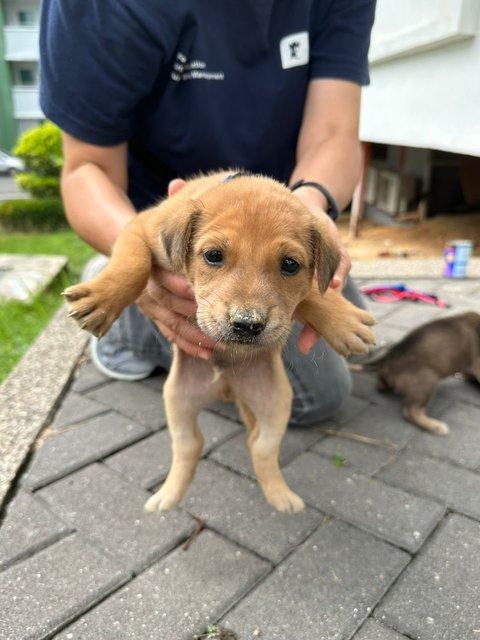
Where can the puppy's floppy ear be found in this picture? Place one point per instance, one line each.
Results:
(177, 235)
(326, 255)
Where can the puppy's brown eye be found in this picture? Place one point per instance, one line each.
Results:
(289, 267)
(213, 257)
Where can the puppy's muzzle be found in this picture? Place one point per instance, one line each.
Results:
(247, 324)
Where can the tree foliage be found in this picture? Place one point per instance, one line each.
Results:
(40, 149)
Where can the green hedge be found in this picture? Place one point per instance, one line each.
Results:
(44, 214)
(40, 149)
(39, 186)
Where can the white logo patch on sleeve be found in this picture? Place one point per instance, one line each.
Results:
(295, 50)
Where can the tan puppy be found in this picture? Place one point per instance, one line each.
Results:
(414, 366)
(250, 249)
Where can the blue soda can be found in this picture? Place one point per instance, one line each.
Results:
(457, 254)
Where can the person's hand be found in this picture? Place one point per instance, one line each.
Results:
(168, 300)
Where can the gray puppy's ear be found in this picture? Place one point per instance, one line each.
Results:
(177, 235)
(326, 255)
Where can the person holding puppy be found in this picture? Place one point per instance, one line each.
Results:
(149, 93)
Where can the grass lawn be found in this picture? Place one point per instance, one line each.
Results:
(20, 324)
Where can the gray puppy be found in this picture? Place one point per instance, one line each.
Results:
(433, 351)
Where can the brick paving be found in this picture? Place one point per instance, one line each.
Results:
(387, 549)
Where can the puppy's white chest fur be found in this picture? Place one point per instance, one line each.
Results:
(248, 378)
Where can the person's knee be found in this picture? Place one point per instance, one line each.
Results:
(321, 403)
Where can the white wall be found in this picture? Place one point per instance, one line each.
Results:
(12, 7)
(425, 76)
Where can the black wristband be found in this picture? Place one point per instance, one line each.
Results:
(332, 209)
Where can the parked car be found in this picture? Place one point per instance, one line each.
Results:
(9, 164)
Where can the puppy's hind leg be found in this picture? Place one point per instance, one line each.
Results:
(184, 398)
(266, 422)
(418, 391)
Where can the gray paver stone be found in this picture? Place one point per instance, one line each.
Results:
(235, 506)
(109, 512)
(134, 400)
(350, 410)
(375, 630)
(176, 598)
(456, 388)
(324, 590)
(463, 304)
(380, 310)
(88, 377)
(367, 458)
(381, 423)
(74, 448)
(364, 386)
(453, 486)
(235, 455)
(437, 598)
(28, 526)
(226, 409)
(411, 315)
(463, 444)
(385, 334)
(454, 288)
(156, 381)
(147, 462)
(77, 408)
(390, 513)
(46, 591)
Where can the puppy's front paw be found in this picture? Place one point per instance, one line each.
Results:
(89, 307)
(164, 500)
(417, 415)
(285, 500)
(439, 428)
(352, 333)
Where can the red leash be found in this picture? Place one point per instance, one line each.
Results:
(392, 293)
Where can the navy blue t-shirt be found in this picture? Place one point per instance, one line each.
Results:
(195, 85)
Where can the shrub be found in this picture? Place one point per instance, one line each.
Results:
(42, 214)
(39, 186)
(40, 149)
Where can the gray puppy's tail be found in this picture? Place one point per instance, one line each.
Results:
(372, 361)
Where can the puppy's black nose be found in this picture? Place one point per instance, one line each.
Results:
(246, 328)
(247, 323)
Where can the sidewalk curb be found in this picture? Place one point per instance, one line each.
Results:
(31, 392)
(426, 268)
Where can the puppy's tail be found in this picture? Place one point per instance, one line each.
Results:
(371, 362)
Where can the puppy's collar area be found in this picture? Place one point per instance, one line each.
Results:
(332, 209)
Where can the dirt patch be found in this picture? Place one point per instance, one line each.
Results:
(423, 240)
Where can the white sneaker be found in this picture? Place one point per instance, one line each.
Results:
(117, 362)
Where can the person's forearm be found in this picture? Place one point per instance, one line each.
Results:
(96, 208)
(334, 163)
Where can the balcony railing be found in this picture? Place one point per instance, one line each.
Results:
(25, 103)
(21, 43)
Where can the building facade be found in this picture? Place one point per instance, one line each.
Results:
(425, 76)
(19, 103)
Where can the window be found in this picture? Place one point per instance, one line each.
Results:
(25, 18)
(26, 76)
